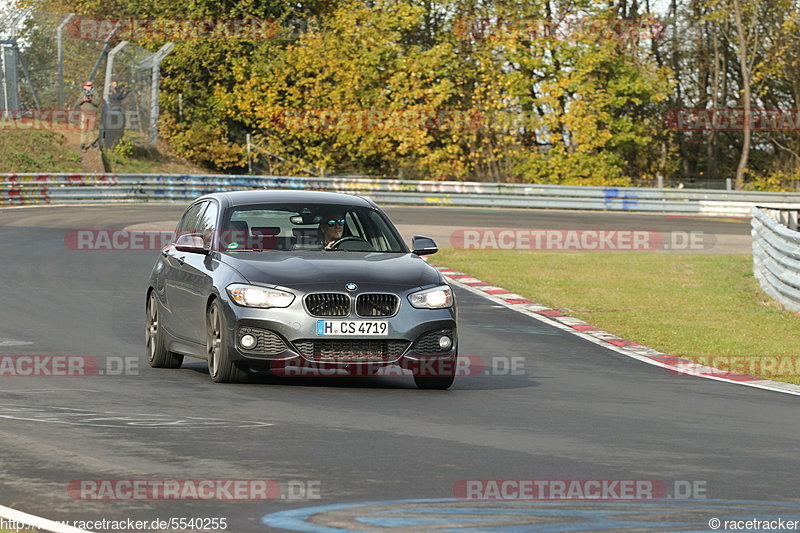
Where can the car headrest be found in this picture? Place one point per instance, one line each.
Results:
(239, 225)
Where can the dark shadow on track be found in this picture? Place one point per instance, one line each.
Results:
(375, 382)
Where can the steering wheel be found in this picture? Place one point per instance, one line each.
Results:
(359, 244)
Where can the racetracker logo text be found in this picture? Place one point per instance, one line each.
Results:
(174, 489)
(561, 29)
(67, 366)
(173, 29)
(736, 367)
(426, 366)
(732, 120)
(577, 489)
(47, 365)
(579, 240)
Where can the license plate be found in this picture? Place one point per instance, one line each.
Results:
(367, 328)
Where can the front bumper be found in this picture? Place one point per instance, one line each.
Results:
(287, 338)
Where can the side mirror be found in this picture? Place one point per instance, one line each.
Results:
(192, 243)
(423, 245)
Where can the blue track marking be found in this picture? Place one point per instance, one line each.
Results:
(466, 516)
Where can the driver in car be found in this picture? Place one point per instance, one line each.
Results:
(332, 228)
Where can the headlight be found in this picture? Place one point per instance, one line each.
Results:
(250, 296)
(435, 298)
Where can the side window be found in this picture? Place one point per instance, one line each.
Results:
(354, 225)
(377, 236)
(189, 221)
(207, 223)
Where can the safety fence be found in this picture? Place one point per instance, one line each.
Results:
(776, 253)
(30, 189)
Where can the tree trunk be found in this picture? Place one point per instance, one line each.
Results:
(711, 148)
(746, 87)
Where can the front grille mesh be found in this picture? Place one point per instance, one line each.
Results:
(428, 342)
(376, 305)
(351, 350)
(328, 304)
(269, 343)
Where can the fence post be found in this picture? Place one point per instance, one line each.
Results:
(249, 159)
(60, 41)
(158, 57)
(106, 122)
(10, 81)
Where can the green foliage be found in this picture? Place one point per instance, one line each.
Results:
(466, 89)
(125, 145)
(775, 181)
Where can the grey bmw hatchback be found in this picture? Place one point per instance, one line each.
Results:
(299, 283)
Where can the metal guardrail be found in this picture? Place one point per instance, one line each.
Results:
(776, 253)
(27, 189)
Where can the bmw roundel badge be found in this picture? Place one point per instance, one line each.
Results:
(351, 286)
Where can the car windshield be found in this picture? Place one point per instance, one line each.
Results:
(303, 227)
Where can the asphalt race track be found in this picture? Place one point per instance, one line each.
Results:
(377, 454)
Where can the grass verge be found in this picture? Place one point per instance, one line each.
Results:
(138, 158)
(707, 308)
(36, 151)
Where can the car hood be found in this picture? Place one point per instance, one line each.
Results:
(325, 269)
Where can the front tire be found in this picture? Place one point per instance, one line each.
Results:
(438, 382)
(157, 355)
(442, 383)
(220, 367)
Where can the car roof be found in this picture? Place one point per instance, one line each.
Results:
(258, 196)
